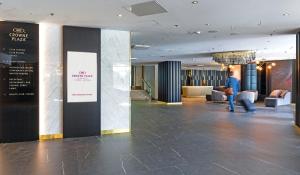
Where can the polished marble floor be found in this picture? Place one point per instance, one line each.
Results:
(191, 139)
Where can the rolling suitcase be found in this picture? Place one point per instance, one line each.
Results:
(248, 106)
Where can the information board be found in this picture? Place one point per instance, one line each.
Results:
(19, 81)
(82, 77)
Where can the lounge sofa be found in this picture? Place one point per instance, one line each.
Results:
(278, 98)
(218, 96)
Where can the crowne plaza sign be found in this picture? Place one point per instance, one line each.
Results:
(18, 35)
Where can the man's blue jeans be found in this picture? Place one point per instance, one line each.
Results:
(231, 104)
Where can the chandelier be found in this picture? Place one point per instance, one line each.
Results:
(234, 57)
(260, 65)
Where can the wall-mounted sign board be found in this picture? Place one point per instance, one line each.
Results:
(19, 80)
(81, 85)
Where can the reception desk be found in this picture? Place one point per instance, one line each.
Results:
(196, 91)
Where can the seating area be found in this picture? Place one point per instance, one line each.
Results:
(275, 99)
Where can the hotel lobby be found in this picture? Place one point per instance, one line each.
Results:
(140, 87)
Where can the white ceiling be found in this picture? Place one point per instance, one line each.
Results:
(267, 26)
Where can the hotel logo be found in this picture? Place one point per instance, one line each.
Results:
(18, 35)
(82, 76)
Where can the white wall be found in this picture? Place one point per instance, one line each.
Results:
(50, 79)
(151, 76)
(138, 76)
(115, 80)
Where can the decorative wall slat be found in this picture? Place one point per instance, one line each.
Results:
(249, 77)
(169, 88)
(203, 78)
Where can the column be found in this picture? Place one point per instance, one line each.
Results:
(249, 74)
(169, 84)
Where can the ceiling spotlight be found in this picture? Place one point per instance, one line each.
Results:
(195, 2)
(176, 25)
(120, 15)
(51, 14)
(198, 32)
(273, 64)
(269, 67)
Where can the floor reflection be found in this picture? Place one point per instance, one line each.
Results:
(191, 139)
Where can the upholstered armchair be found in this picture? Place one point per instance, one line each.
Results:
(278, 98)
(218, 96)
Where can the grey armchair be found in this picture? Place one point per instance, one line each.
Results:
(218, 96)
(278, 101)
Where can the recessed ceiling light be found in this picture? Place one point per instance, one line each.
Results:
(285, 14)
(198, 32)
(260, 23)
(176, 25)
(212, 31)
(120, 15)
(133, 58)
(195, 2)
(207, 24)
(140, 46)
(232, 34)
(51, 14)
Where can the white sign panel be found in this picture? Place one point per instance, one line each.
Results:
(81, 77)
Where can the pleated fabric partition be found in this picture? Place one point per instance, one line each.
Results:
(249, 77)
(297, 118)
(169, 81)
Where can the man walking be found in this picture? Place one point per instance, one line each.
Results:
(233, 83)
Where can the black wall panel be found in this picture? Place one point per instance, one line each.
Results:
(169, 82)
(297, 118)
(19, 82)
(81, 119)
